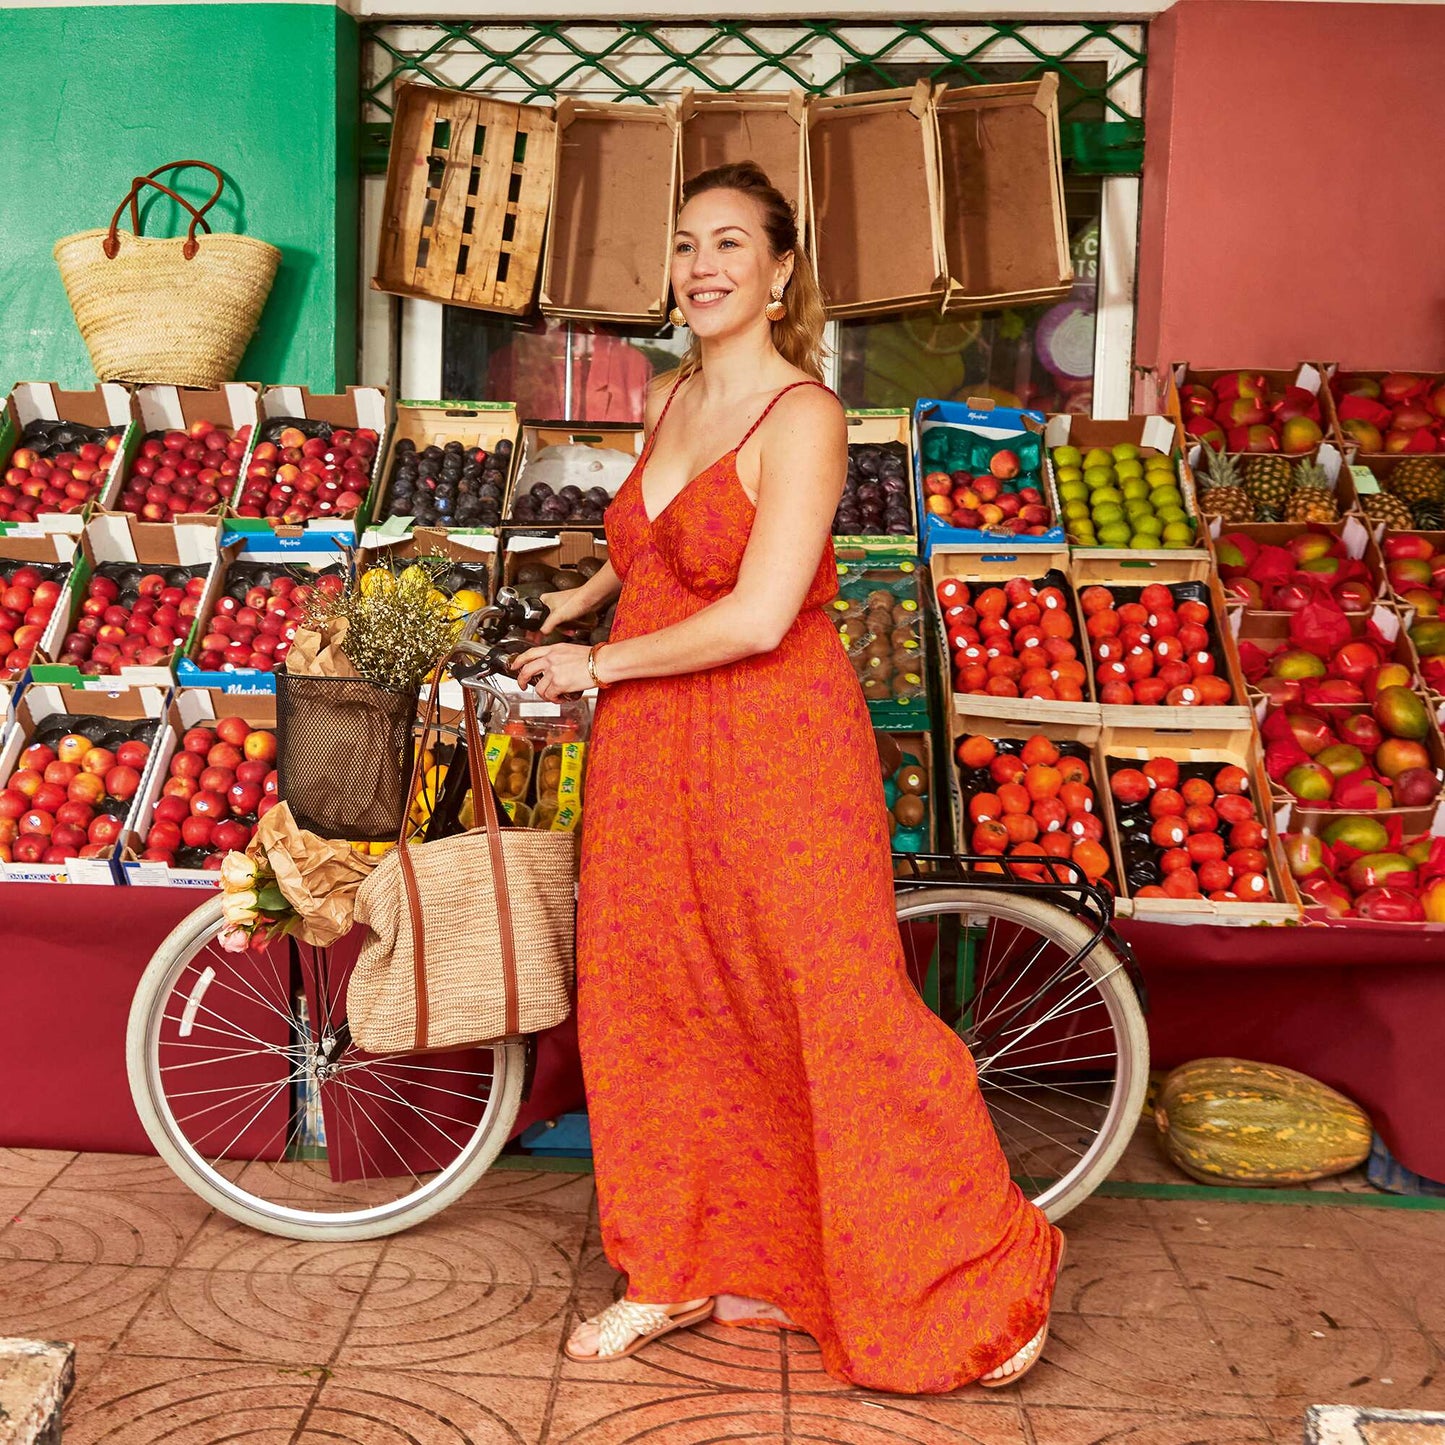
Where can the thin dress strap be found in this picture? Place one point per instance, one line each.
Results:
(657, 426)
(793, 386)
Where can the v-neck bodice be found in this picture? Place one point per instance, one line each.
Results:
(690, 553)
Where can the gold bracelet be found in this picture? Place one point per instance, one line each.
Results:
(592, 665)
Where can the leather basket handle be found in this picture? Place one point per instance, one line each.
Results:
(111, 245)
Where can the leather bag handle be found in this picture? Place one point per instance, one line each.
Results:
(484, 802)
(111, 244)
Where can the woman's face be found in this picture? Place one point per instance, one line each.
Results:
(722, 267)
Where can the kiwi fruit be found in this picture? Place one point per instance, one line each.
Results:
(589, 566)
(905, 614)
(909, 810)
(912, 779)
(532, 572)
(890, 755)
(875, 689)
(881, 597)
(564, 579)
(907, 684)
(878, 652)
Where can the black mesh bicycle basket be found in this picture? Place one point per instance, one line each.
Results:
(344, 755)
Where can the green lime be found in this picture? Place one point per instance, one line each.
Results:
(1129, 469)
(1075, 510)
(1158, 463)
(1067, 457)
(1073, 492)
(1115, 535)
(1083, 528)
(1106, 494)
(1107, 514)
(1142, 542)
(1175, 544)
(1124, 451)
(1149, 526)
(1166, 497)
(1178, 534)
(1098, 457)
(1068, 474)
(1172, 514)
(1135, 488)
(1099, 476)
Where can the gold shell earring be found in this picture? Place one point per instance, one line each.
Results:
(676, 317)
(775, 310)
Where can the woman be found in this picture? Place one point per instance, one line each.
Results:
(785, 1136)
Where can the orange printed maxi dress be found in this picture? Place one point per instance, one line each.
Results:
(775, 1112)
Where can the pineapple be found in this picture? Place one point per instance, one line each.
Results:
(1417, 479)
(1313, 498)
(1269, 479)
(1386, 508)
(1428, 516)
(1221, 493)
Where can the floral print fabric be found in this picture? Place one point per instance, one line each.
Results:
(775, 1112)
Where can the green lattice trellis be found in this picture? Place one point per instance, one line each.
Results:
(1099, 63)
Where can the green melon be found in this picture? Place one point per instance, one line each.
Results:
(1230, 1121)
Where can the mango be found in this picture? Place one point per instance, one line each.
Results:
(1365, 835)
(1401, 712)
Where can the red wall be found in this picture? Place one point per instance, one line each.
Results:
(1293, 202)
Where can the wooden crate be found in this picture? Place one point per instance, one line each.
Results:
(468, 183)
(1135, 746)
(765, 127)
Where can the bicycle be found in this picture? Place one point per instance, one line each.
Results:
(247, 1082)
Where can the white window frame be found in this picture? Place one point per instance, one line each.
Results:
(401, 338)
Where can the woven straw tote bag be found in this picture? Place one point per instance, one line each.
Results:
(179, 311)
(471, 937)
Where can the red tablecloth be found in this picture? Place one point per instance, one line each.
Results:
(1361, 1013)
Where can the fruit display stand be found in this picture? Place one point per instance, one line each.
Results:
(127, 646)
(1318, 563)
(471, 579)
(1198, 754)
(186, 710)
(43, 716)
(999, 442)
(305, 526)
(484, 426)
(34, 440)
(1187, 581)
(32, 564)
(880, 619)
(1253, 411)
(969, 573)
(878, 440)
(1140, 439)
(1383, 415)
(618, 445)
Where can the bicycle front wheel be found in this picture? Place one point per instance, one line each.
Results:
(1052, 1021)
(245, 1080)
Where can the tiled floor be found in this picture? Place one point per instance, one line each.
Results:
(1178, 1322)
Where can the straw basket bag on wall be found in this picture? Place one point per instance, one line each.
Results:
(179, 311)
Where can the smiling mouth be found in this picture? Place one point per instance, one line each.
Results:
(707, 298)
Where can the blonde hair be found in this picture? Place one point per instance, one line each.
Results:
(799, 335)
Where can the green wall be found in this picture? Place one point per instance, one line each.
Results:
(95, 95)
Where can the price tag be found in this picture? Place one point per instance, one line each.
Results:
(1366, 482)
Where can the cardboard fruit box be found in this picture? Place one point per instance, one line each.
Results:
(45, 714)
(1428, 398)
(618, 445)
(1350, 532)
(874, 209)
(1076, 739)
(186, 709)
(992, 428)
(767, 128)
(1188, 578)
(358, 407)
(884, 427)
(895, 682)
(107, 406)
(1151, 436)
(978, 568)
(475, 558)
(52, 553)
(1202, 753)
(248, 563)
(1371, 475)
(1001, 187)
(609, 226)
(468, 181)
(1326, 454)
(113, 542)
(1270, 631)
(921, 837)
(1306, 377)
(425, 424)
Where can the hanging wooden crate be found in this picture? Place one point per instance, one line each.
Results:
(614, 199)
(767, 128)
(873, 205)
(468, 183)
(1002, 182)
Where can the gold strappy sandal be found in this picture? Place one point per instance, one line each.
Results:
(626, 1326)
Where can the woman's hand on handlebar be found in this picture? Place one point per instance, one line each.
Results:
(556, 671)
(565, 606)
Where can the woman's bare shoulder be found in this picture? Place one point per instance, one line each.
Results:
(658, 391)
(813, 409)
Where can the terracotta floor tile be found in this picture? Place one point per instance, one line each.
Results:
(63, 1300)
(700, 1356)
(1415, 1278)
(502, 1246)
(587, 1412)
(95, 1226)
(459, 1326)
(1284, 1369)
(1116, 1223)
(969, 1417)
(121, 1172)
(530, 1188)
(409, 1408)
(201, 1314)
(222, 1243)
(1249, 1226)
(186, 1402)
(13, 1203)
(1105, 1363)
(1395, 1231)
(1105, 1277)
(1143, 1162)
(1306, 1288)
(1054, 1426)
(31, 1169)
